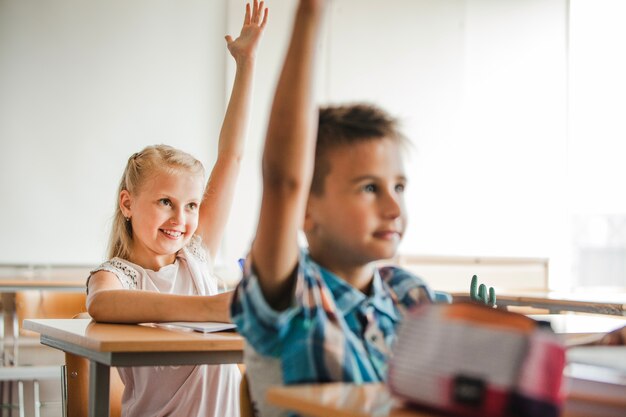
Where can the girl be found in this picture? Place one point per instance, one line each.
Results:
(166, 231)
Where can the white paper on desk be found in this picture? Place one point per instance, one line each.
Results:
(200, 326)
(613, 357)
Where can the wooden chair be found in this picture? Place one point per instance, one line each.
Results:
(76, 393)
(34, 304)
(245, 402)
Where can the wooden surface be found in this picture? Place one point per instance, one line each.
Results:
(613, 304)
(572, 323)
(102, 337)
(48, 284)
(349, 400)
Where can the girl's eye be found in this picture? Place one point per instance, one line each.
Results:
(192, 206)
(369, 188)
(400, 188)
(165, 202)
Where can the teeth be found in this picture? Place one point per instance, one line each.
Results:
(172, 233)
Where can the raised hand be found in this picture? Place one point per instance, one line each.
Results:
(253, 25)
(479, 294)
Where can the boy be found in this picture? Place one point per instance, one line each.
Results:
(329, 314)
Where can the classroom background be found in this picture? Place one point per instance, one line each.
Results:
(515, 110)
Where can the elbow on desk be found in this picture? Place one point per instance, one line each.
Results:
(97, 306)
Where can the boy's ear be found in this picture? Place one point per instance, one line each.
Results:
(309, 224)
(125, 203)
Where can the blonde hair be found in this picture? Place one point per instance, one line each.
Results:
(140, 167)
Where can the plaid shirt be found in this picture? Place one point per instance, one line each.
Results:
(331, 331)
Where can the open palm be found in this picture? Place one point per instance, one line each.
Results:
(253, 25)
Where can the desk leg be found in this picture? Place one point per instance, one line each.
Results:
(99, 376)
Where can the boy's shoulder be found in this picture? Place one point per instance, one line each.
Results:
(407, 288)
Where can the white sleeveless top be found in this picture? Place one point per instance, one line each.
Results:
(204, 390)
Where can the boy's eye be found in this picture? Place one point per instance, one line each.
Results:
(192, 206)
(400, 188)
(369, 188)
(165, 202)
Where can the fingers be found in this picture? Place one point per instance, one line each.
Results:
(246, 18)
(255, 11)
(264, 17)
(258, 15)
(228, 38)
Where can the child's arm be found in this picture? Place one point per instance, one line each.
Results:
(108, 301)
(220, 188)
(288, 158)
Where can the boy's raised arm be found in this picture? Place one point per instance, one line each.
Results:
(288, 157)
(220, 188)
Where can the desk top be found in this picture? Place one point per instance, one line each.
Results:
(104, 337)
(571, 323)
(614, 304)
(349, 400)
(47, 284)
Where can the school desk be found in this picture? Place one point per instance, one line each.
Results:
(107, 345)
(350, 400)
(556, 302)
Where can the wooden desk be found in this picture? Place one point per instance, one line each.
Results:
(556, 302)
(107, 345)
(576, 323)
(349, 400)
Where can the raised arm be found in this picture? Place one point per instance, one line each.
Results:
(288, 157)
(220, 188)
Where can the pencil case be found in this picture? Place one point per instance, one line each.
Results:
(471, 360)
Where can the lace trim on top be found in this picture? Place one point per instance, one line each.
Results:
(127, 275)
(196, 248)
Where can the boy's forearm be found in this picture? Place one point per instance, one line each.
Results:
(290, 143)
(148, 306)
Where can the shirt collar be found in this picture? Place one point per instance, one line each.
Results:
(347, 298)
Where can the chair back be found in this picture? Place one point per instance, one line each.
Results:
(47, 305)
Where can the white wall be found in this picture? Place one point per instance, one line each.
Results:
(479, 84)
(83, 85)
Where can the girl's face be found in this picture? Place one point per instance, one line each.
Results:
(164, 216)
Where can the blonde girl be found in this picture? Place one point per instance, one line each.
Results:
(166, 231)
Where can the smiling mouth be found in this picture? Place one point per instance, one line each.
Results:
(172, 234)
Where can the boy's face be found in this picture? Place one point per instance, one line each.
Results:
(361, 216)
(164, 215)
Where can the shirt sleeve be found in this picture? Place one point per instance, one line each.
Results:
(256, 320)
(409, 289)
(127, 276)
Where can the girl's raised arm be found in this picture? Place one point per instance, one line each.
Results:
(220, 189)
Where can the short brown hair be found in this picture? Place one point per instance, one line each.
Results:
(347, 125)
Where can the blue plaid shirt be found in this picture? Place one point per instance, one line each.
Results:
(331, 331)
